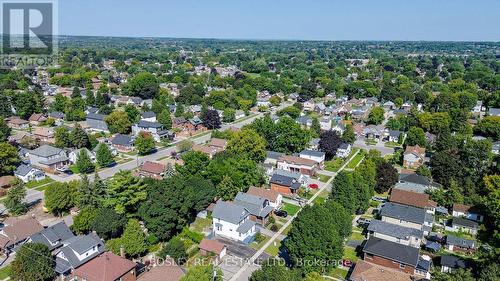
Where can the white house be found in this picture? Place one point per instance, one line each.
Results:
(27, 173)
(396, 233)
(325, 123)
(309, 105)
(73, 155)
(233, 221)
(155, 128)
(149, 116)
(344, 150)
(468, 212)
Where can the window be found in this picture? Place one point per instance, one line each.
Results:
(402, 266)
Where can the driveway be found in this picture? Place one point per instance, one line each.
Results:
(360, 143)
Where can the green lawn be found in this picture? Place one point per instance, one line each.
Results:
(370, 142)
(33, 184)
(199, 224)
(350, 254)
(357, 236)
(256, 245)
(74, 169)
(324, 178)
(287, 229)
(338, 273)
(355, 161)
(5, 272)
(391, 144)
(273, 249)
(290, 208)
(334, 164)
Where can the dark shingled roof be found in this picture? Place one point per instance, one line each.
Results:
(393, 251)
(285, 181)
(407, 213)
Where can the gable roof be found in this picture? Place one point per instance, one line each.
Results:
(297, 160)
(274, 155)
(257, 206)
(365, 271)
(148, 114)
(393, 251)
(290, 182)
(218, 142)
(464, 223)
(229, 212)
(123, 140)
(152, 167)
(95, 116)
(404, 212)
(46, 151)
(270, 195)
(212, 246)
(410, 198)
(36, 117)
(19, 231)
(79, 244)
(169, 271)
(312, 153)
(23, 169)
(394, 230)
(105, 267)
(453, 262)
(53, 236)
(416, 150)
(461, 208)
(148, 124)
(457, 241)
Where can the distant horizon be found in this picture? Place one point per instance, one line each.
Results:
(285, 20)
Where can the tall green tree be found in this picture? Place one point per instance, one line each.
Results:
(165, 119)
(15, 199)
(387, 176)
(82, 222)
(84, 163)
(133, 240)
(175, 249)
(79, 138)
(247, 143)
(348, 136)
(108, 223)
(125, 192)
(9, 158)
(274, 270)
(4, 130)
(144, 143)
(344, 192)
(416, 136)
(60, 197)
(376, 116)
(118, 122)
(33, 262)
(104, 156)
(62, 137)
(226, 189)
(202, 272)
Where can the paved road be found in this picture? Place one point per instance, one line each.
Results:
(248, 268)
(360, 143)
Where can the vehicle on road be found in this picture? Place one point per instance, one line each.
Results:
(281, 213)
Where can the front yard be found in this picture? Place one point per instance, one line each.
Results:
(290, 208)
(355, 161)
(35, 184)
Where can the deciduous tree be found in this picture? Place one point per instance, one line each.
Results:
(33, 262)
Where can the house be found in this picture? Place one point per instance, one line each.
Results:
(36, 119)
(396, 256)
(415, 183)
(413, 157)
(155, 128)
(395, 233)
(366, 271)
(44, 135)
(233, 221)
(297, 164)
(106, 267)
(76, 251)
(309, 105)
(53, 236)
(293, 97)
(344, 150)
(304, 121)
(208, 150)
(168, 271)
(478, 108)
(57, 116)
(317, 156)
(325, 123)
(373, 132)
(494, 111)
(219, 144)
(258, 207)
(15, 233)
(149, 116)
(460, 245)
(73, 154)
(450, 263)
(263, 102)
(213, 247)
(48, 157)
(17, 123)
(460, 224)
(272, 157)
(389, 105)
(298, 176)
(394, 136)
(284, 184)
(152, 170)
(407, 216)
(96, 122)
(495, 148)
(471, 213)
(123, 143)
(275, 199)
(410, 198)
(314, 144)
(26, 173)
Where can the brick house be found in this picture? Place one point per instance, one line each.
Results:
(284, 185)
(37, 118)
(414, 199)
(106, 267)
(151, 170)
(208, 246)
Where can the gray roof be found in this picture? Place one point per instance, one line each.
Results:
(23, 170)
(55, 160)
(289, 174)
(246, 226)
(393, 251)
(313, 153)
(494, 111)
(304, 120)
(148, 114)
(124, 140)
(147, 124)
(464, 223)
(274, 155)
(453, 262)
(53, 236)
(256, 205)
(79, 244)
(457, 241)
(290, 182)
(344, 146)
(46, 151)
(394, 230)
(404, 212)
(95, 116)
(229, 212)
(56, 115)
(394, 133)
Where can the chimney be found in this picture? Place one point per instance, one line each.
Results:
(122, 251)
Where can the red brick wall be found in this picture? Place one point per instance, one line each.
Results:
(281, 189)
(389, 263)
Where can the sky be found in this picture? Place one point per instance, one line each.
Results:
(430, 20)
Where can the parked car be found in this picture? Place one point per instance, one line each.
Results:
(313, 186)
(378, 199)
(363, 221)
(281, 213)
